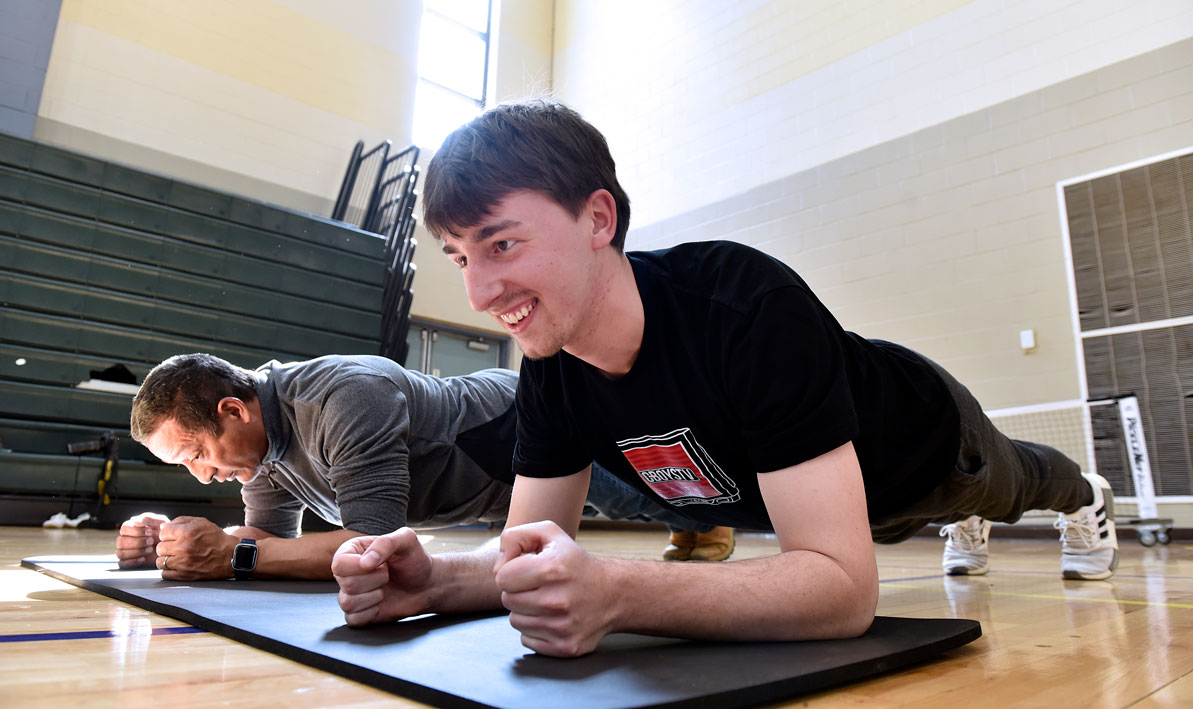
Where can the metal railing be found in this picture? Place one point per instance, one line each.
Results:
(378, 195)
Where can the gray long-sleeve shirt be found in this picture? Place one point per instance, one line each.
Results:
(372, 446)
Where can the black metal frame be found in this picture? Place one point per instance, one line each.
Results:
(364, 168)
(389, 183)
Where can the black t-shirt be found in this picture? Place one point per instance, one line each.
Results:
(742, 370)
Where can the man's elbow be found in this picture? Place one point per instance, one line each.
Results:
(853, 612)
(857, 620)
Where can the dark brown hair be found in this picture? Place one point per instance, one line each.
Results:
(188, 389)
(539, 145)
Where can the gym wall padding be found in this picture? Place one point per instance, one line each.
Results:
(101, 264)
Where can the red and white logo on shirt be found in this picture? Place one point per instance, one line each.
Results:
(678, 469)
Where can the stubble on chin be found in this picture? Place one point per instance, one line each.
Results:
(530, 352)
(537, 350)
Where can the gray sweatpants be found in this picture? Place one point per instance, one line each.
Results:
(995, 477)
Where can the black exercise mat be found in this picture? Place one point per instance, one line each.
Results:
(479, 661)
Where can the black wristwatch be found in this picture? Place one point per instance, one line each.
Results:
(244, 559)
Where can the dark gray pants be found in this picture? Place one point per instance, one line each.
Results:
(995, 477)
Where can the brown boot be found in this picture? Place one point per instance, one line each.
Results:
(680, 547)
(716, 545)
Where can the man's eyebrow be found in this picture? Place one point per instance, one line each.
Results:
(485, 232)
(494, 228)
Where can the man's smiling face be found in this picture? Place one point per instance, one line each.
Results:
(530, 265)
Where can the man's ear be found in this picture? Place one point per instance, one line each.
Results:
(602, 209)
(234, 407)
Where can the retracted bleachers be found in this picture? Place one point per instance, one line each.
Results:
(102, 264)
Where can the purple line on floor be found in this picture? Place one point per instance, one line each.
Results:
(912, 578)
(88, 634)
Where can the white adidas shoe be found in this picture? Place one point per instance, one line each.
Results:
(967, 549)
(1089, 544)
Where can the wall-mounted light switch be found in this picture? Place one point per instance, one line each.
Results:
(1027, 340)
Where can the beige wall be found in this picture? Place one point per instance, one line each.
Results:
(703, 99)
(524, 49)
(262, 97)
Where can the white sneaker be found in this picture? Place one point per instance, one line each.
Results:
(967, 549)
(1089, 544)
(56, 521)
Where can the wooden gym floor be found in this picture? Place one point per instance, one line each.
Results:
(1127, 642)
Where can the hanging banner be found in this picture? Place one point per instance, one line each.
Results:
(1141, 467)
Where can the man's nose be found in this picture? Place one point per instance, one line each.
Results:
(483, 285)
(202, 473)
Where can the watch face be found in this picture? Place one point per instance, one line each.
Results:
(244, 558)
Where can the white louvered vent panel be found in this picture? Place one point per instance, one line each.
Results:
(1131, 235)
